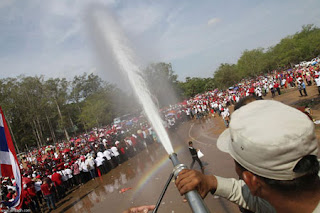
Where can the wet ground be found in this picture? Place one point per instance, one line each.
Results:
(147, 173)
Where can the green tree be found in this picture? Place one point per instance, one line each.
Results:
(162, 82)
(193, 86)
(251, 63)
(57, 93)
(225, 76)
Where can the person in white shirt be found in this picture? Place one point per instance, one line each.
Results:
(64, 177)
(215, 107)
(273, 92)
(219, 108)
(85, 176)
(37, 187)
(225, 116)
(258, 92)
(104, 141)
(116, 155)
(265, 86)
(171, 121)
(188, 112)
(68, 173)
(237, 98)
(317, 80)
(91, 167)
(108, 163)
(100, 154)
(100, 164)
(283, 82)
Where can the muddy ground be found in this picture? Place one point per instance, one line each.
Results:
(147, 172)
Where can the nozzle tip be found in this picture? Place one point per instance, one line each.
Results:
(172, 154)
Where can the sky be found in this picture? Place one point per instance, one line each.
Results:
(51, 38)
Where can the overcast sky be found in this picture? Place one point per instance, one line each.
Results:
(50, 38)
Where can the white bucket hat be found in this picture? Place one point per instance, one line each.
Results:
(268, 138)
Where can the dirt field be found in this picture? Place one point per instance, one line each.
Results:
(292, 97)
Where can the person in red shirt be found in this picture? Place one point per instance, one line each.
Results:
(57, 179)
(26, 203)
(11, 194)
(134, 141)
(46, 189)
(276, 86)
(33, 195)
(251, 90)
(291, 82)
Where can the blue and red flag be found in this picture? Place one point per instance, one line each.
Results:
(9, 161)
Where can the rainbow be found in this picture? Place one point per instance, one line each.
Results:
(153, 170)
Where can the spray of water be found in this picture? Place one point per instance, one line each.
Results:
(112, 37)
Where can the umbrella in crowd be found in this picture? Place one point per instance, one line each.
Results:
(91, 139)
(129, 123)
(66, 150)
(26, 180)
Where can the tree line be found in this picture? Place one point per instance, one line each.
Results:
(41, 112)
(291, 50)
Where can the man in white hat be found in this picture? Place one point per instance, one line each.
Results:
(276, 161)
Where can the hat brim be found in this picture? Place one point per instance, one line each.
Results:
(224, 141)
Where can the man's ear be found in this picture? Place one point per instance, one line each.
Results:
(253, 183)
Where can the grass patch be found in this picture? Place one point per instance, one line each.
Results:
(312, 102)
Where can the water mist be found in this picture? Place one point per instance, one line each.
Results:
(112, 37)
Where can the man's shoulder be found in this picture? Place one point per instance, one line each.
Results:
(317, 209)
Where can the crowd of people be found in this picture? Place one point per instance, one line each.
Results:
(50, 172)
(217, 102)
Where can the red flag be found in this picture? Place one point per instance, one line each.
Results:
(9, 161)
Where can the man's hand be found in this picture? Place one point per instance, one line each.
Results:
(189, 180)
(140, 209)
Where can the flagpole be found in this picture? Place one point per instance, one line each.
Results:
(14, 139)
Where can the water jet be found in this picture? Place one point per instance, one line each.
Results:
(112, 37)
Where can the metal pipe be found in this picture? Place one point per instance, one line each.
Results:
(194, 199)
(163, 192)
